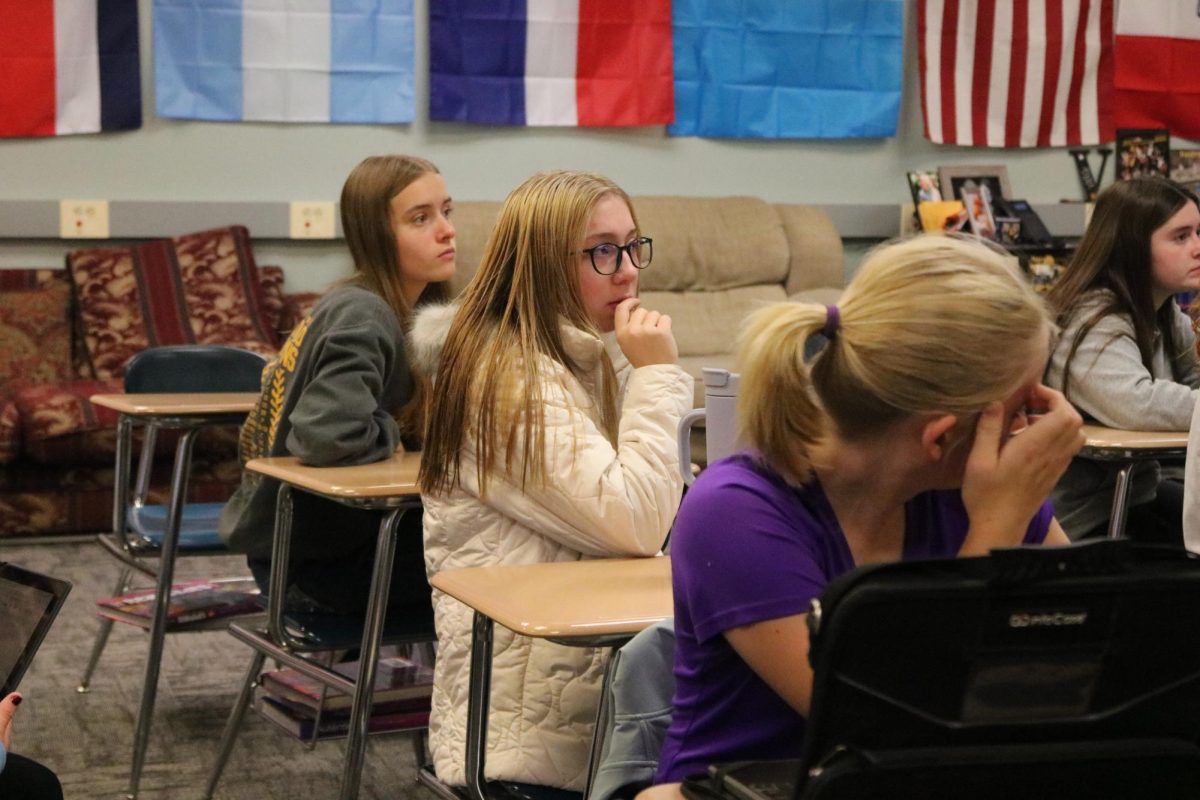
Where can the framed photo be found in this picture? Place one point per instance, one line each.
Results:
(924, 185)
(977, 197)
(971, 176)
(1185, 168)
(1143, 152)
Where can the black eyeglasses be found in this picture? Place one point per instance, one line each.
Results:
(606, 256)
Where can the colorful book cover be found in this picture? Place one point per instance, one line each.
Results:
(191, 602)
(396, 678)
(300, 722)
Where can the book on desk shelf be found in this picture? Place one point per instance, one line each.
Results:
(396, 679)
(192, 602)
(300, 720)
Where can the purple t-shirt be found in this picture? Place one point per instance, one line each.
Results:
(748, 547)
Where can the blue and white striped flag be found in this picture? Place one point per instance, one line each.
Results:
(285, 60)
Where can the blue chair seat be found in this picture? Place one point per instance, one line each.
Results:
(197, 530)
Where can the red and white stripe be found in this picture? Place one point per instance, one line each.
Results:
(1016, 73)
(1157, 52)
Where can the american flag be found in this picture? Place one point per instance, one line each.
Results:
(1016, 73)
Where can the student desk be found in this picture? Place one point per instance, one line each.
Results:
(390, 484)
(1128, 448)
(188, 413)
(593, 603)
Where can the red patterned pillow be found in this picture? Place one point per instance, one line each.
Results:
(202, 288)
(60, 425)
(35, 334)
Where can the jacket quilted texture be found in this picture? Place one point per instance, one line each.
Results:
(598, 501)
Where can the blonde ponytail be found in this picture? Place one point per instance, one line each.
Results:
(785, 420)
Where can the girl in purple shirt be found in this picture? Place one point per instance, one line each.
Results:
(892, 443)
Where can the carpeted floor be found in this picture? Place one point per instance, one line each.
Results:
(88, 739)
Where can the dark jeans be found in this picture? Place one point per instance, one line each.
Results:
(1159, 521)
(25, 779)
(339, 580)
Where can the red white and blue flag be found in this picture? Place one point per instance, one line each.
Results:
(1017, 73)
(551, 62)
(1157, 80)
(68, 66)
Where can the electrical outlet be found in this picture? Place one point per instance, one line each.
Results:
(312, 220)
(83, 219)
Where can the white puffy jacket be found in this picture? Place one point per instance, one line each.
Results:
(598, 501)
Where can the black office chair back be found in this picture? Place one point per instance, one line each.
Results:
(194, 368)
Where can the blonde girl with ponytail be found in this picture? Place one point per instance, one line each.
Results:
(893, 443)
(552, 437)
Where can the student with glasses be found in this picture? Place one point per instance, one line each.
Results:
(551, 438)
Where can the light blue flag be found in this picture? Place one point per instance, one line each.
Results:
(285, 60)
(772, 69)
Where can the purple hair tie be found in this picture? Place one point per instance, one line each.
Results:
(833, 320)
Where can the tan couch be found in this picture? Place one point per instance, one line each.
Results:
(715, 260)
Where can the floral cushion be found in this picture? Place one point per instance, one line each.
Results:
(200, 288)
(35, 335)
(60, 426)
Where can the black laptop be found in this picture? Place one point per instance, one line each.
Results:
(29, 602)
(1036, 672)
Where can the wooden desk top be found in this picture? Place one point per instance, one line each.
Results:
(1100, 437)
(178, 404)
(395, 477)
(567, 599)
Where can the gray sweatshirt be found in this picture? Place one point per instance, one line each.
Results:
(1110, 385)
(328, 400)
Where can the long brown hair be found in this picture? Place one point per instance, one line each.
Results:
(367, 224)
(489, 386)
(1114, 254)
(931, 323)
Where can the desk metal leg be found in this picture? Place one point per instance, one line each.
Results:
(604, 713)
(1120, 505)
(364, 687)
(229, 736)
(162, 595)
(478, 698)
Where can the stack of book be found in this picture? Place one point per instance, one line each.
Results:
(293, 701)
(193, 603)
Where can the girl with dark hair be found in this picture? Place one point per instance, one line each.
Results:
(1126, 355)
(343, 391)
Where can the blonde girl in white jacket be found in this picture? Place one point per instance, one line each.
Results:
(551, 438)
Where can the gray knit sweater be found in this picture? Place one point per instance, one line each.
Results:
(1110, 385)
(328, 400)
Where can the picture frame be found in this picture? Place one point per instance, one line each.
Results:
(1143, 152)
(1185, 168)
(925, 186)
(977, 197)
(955, 179)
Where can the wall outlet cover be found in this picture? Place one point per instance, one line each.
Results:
(312, 220)
(83, 219)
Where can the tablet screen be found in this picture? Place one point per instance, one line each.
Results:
(28, 604)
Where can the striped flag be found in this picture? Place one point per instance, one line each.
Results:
(284, 60)
(551, 62)
(68, 66)
(1157, 80)
(1016, 73)
(826, 69)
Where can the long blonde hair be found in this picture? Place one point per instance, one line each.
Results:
(928, 324)
(367, 224)
(489, 383)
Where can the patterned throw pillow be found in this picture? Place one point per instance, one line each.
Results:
(35, 334)
(202, 288)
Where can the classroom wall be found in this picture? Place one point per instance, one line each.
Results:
(184, 161)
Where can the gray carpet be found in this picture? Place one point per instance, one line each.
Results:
(88, 739)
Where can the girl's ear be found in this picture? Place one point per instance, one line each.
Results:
(935, 436)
